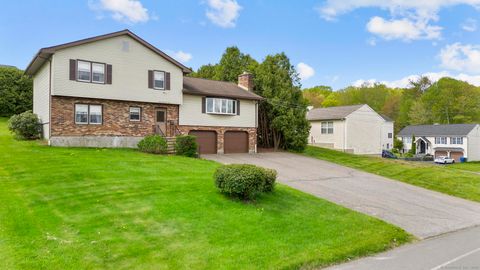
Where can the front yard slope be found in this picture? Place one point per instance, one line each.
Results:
(445, 179)
(74, 208)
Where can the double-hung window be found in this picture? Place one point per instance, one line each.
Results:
(88, 114)
(90, 72)
(84, 70)
(135, 113)
(159, 80)
(456, 140)
(440, 140)
(327, 127)
(407, 140)
(221, 106)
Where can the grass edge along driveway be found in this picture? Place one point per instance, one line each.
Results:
(79, 208)
(444, 179)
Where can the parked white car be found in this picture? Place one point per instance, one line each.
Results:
(444, 160)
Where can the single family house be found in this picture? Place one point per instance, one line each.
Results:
(114, 89)
(356, 129)
(455, 141)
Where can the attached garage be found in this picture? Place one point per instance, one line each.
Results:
(235, 142)
(440, 154)
(456, 156)
(206, 140)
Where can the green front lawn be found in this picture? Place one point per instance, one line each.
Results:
(468, 166)
(446, 179)
(66, 208)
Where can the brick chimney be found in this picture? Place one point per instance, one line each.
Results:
(245, 81)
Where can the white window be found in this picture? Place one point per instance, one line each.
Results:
(456, 140)
(407, 140)
(159, 80)
(98, 73)
(327, 128)
(81, 114)
(135, 113)
(221, 106)
(88, 114)
(84, 69)
(440, 140)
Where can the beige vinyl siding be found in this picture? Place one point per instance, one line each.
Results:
(387, 127)
(41, 97)
(130, 62)
(365, 131)
(473, 141)
(335, 140)
(191, 114)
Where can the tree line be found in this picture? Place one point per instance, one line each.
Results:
(447, 101)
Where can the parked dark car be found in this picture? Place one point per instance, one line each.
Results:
(388, 154)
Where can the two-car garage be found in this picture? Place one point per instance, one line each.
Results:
(454, 153)
(233, 141)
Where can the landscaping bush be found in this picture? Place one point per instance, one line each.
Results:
(25, 126)
(186, 145)
(154, 144)
(244, 181)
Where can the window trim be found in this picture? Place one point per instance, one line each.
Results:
(234, 106)
(327, 128)
(130, 114)
(456, 139)
(91, 72)
(88, 114)
(164, 80)
(439, 141)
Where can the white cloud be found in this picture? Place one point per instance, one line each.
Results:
(411, 19)
(433, 76)
(182, 56)
(460, 57)
(469, 25)
(404, 29)
(127, 11)
(223, 13)
(305, 71)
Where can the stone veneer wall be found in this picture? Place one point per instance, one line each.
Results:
(252, 135)
(116, 122)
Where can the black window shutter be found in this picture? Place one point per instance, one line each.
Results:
(167, 80)
(73, 69)
(109, 74)
(150, 79)
(238, 106)
(203, 104)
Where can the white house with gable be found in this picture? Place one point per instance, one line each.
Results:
(356, 129)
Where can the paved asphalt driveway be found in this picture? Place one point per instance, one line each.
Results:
(419, 211)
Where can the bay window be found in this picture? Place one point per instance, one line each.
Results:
(221, 106)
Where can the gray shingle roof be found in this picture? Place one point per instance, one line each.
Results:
(204, 87)
(437, 130)
(332, 113)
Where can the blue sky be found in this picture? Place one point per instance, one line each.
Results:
(332, 42)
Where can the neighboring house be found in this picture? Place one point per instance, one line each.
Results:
(356, 129)
(114, 89)
(456, 141)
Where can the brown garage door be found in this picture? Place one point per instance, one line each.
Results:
(440, 153)
(236, 142)
(206, 140)
(456, 156)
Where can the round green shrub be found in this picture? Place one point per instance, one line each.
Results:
(244, 181)
(25, 126)
(186, 145)
(154, 144)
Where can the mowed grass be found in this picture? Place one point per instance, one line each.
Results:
(446, 179)
(468, 166)
(76, 208)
